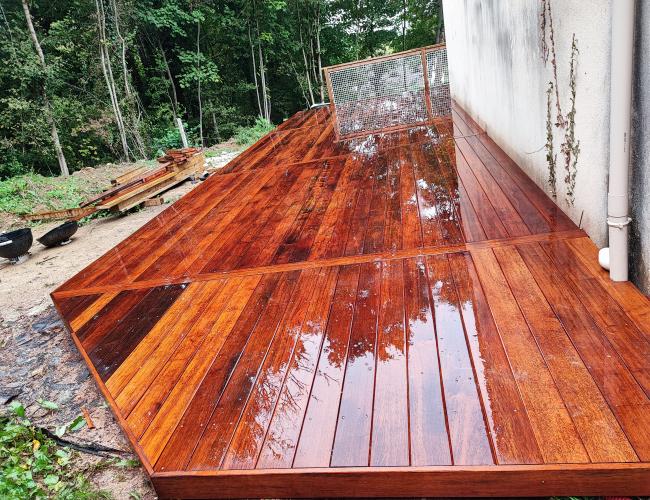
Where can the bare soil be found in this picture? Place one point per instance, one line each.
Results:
(38, 359)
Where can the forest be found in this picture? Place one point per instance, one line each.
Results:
(85, 82)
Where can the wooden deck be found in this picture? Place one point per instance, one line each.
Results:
(405, 314)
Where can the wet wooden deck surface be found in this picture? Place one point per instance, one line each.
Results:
(402, 314)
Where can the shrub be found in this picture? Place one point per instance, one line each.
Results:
(245, 136)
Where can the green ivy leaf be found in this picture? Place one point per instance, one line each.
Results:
(17, 408)
(51, 479)
(48, 405)
(77, 423)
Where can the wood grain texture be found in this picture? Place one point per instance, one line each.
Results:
(403, 314)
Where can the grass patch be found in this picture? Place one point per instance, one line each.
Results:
(27, 193)
(245, 136)
(35, 466)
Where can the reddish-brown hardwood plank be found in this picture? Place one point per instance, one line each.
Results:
(608, 315)
(508, 214)
(432, 174)
(157, 374)
(505, 414)
(626, 398)
(485, 213)
(529, 213)
(315, 306)
(427, 418)
(185, 438)
(161, 337)
(89, 313)
(264, 247)
(411, 226)
(170, 416)
(352, 437)
(552, 213)
(556, 435)
(358, 221)
(467, 432)
(326, 242)
(297, 242)
(161, 406)
(227, 250)
(72, 307)
(317, 435)
(390, 418)
(374, 240)
(248, 438)
(214, 440)
(393, 215)
(281, 440)
(596, 425)
(633, 301)
(107, 318)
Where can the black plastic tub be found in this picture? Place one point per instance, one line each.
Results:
(59, 234)
(21, 241)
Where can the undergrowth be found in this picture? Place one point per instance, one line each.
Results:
(35, 466)
(245, 136)
(26, 193)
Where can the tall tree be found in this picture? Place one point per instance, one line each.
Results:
(63, 164)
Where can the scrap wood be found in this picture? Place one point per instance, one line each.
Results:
(89, 421)
(130, 175)
(152, 191)
(134, 190)
(156, 189)
(179, 155)
(137, 185)
(70, 213)
(154, 202)
(142, 179)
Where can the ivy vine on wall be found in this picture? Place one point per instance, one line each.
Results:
(570, 146)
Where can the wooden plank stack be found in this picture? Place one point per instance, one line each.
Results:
(136, 186)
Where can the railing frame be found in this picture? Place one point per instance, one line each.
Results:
(397, 55)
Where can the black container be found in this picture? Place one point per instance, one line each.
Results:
(21, 242)
(59, 234)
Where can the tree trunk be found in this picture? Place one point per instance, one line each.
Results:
(265, 100)
(216, 128)
(129, 92)
(318, 53)
(257, 87)
(198, 75)
(171, 81)
(108, 76)
(304, 57)
(63, 165)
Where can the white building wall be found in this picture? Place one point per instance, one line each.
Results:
(497, 74)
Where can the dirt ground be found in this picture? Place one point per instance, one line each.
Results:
(38, 359)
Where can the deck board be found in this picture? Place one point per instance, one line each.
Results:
(402, 314)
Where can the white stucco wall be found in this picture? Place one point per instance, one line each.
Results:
(497, 74)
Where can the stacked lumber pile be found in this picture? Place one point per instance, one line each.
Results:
(137, 186)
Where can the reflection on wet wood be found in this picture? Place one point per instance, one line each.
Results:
(406, 302)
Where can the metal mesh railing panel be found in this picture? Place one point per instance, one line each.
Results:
(385, 93)
(381, 94)
(438, 73)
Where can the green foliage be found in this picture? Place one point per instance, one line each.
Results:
(245, 136)
(27, 193)
(34, 466)
(170, 139)
(164, 67)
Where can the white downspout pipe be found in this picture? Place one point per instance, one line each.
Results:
(619, 136)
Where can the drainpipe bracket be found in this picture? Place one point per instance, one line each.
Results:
(619, 224)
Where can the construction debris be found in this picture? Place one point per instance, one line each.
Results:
(136, 186)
